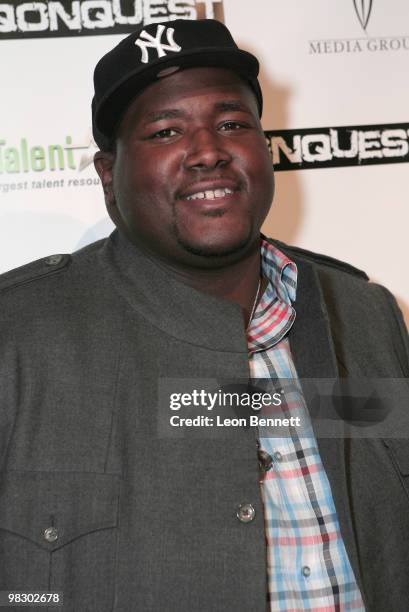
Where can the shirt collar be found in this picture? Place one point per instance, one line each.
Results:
(275, 314)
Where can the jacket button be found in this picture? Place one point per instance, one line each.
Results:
(54, 260)
(51, 534)
(246, 513)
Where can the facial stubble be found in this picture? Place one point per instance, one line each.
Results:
(210, 253)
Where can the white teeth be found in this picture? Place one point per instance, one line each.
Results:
(210, 194)
(197, 196)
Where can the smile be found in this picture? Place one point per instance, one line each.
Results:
(210, 194)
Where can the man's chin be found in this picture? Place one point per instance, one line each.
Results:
(216, 252)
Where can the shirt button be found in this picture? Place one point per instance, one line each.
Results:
(265, 461)
(246, 513)
(51, 534)
(54, 260)
(306, 571)
(278, 456)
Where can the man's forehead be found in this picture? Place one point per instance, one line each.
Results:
(169, 97)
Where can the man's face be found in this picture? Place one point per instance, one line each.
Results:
(192, 179)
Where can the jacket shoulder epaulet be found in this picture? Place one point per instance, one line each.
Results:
(320, 259)
(33, 271)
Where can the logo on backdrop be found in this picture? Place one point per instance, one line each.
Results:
(365, 16)
(49, 18)
(332, 147)
(363, 10)
(26, 166)
(146, 40)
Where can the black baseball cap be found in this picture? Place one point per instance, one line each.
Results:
(155, 51)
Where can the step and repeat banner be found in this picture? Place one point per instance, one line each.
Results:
(336, 118)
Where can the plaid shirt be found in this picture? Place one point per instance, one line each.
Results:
(307, 564)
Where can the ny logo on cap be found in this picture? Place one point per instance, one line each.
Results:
(146, 40)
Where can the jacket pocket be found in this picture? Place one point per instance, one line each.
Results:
(57, 532)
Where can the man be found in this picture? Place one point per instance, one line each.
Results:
(98, 499)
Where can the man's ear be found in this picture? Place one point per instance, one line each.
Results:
(104, 164)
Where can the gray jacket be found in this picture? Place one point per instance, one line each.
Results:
(97, 503)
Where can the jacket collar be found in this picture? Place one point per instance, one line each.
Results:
(170, 305)
(201, 319)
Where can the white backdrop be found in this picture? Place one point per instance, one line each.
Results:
(325, 64)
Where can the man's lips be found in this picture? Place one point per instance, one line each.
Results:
(209, 191)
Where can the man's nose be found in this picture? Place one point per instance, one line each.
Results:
(206, 150)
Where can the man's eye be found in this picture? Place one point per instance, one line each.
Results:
(231, 125)
(165, 133)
